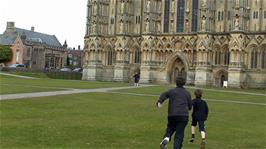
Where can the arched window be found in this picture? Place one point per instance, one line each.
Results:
(166, 16)
(180, 16)
(110, 57)
(194, 16)
(253, 60)
(263, 57)
(217, 57)
(137, 56)
(226, 57)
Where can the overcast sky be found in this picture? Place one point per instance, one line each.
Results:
(66, 19)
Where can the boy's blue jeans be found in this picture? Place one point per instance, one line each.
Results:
(177, 125)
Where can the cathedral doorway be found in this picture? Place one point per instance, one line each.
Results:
(177, 69)
(221, 77)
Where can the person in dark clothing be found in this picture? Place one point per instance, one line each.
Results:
(199, 115)
(136, 79)
(178, 111)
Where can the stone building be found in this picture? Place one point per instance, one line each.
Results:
(75, 57)
(35, 50)
(206, 41)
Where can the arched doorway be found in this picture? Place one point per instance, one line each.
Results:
(220, 77)
(177, 69)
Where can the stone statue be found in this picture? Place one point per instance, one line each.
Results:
(121, 26)
(122, 6)
(203, 23)
(237, 22)
(173, 5)
(204, 3)
(148, 5)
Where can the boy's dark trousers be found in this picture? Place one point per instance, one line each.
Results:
(176, 124)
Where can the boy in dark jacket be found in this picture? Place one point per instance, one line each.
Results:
(178, 110)
(199, 115)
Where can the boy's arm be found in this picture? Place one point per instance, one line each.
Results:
(189, 102)
(207, 109)
(162, 98)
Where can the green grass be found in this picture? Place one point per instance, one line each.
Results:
(121, 121)
(11, 84)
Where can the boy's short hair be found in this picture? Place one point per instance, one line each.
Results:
(180, 81)
(198, 93)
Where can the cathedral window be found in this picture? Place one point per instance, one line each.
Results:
(166, 16)
(110, 57)
(264, 14)
(263, 58)
(218, 57)
(180, 16)
(226, 57)
(137, 56)
(195, 16)
(253, 61)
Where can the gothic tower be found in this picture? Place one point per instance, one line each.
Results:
(206, 41)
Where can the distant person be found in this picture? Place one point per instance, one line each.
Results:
(136, 79)
(178, 112)
(199, 115)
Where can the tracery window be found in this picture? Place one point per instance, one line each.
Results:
(166, 16)
(263, 57)
(137, 56)
(217, 57)
(194, 16)
(180, 16)
(226, 57)
(253, 60)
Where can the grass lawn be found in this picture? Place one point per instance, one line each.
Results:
(123, 121)
(11, 84)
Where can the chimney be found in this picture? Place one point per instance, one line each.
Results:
(10, 25)
(32, 28)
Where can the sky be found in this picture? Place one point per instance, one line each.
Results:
(66, 19)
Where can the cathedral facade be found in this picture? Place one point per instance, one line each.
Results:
(209, 42)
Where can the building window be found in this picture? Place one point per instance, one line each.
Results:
(255, 15)
(17, 56)
(137, 56)
(110, 57)
(180, 16)
(226, 57)
(263, 58)
(195, 16)
(219, 16)
(229, 15)
(218, 57)
(264, 14)
(112, 21)
(166, 16)
(253, 61)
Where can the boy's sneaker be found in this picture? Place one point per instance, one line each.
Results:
(191, 140)
(164, 143)
(202, 145)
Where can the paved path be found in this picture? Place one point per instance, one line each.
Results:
(64, 92)
(19, 76)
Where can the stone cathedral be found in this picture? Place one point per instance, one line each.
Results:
(206, 41)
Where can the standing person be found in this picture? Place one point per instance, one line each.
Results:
(199, 115)
(136, 79)
(178, 111)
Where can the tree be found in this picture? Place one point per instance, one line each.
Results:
(5, 53)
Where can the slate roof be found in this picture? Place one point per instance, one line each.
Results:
(31, 36)
(7, 40)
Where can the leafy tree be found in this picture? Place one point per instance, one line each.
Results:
(5, 53)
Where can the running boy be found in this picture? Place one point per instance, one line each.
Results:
(199, 115)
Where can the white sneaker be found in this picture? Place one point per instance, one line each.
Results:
(163, 144)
